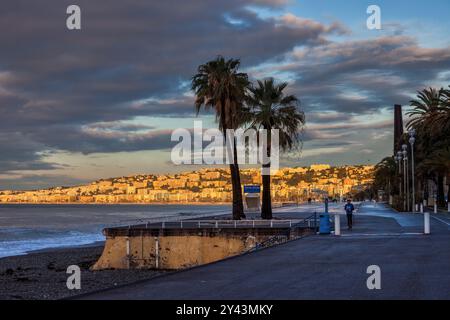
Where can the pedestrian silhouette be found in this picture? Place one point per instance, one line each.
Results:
(349, 208)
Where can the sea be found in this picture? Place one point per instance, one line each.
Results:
(28, 227)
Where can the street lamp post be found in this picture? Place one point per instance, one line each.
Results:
(435, 200)
(399, 158)
(405, 177)
(396, 162)
(412, 140)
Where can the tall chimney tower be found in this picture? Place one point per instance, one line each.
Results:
(398, 127)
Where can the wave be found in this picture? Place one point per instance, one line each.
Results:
(31, 240)
(28, 228)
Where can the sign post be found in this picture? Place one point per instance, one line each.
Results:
(252, 198)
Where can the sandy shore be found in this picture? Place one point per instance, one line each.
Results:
(42, 275)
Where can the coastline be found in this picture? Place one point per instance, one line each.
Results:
(62, 248)
(41, 274)
(210, 215)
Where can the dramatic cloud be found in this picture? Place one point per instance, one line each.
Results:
(80, 91)
(364, 76)
(130, 59)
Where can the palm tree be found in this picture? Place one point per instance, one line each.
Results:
(385, 174)
(220, 86)
(426, 109)
(443, 119)
(439, 163)
(270, 108)
(430, 119)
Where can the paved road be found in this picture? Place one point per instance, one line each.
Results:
(413, 266)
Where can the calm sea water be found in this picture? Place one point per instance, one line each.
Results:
(27, 227)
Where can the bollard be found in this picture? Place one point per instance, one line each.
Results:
(421, 208)
(435, 207)
(417, 207)
(448, 206)
(337, 224)
(426, 217)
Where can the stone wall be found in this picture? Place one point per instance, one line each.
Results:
(179, 249)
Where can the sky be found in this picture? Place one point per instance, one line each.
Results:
(79, 105)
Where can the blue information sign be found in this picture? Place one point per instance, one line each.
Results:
(252, 189)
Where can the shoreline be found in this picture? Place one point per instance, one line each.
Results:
(209, 216)
(62, 248)
(41, 274)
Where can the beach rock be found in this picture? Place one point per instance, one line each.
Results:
(85, 265)
(25, 279)
(51, 266)
(9, 272)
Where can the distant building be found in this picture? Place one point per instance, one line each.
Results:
(288, 185)
(319, 167)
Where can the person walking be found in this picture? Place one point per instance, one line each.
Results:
(349, 208)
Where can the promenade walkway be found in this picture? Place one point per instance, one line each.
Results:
(413, 266)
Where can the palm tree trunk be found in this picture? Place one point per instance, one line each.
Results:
(235, 200)
(266, 212)
(440, 190)
(238, 207)
(448, 191)
(240, 204)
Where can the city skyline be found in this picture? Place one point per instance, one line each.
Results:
(210, 185)
(102, 101)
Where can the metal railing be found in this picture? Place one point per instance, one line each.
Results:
(310, 222)
(219, 224)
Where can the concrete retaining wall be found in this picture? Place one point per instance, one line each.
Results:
(178, 248)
